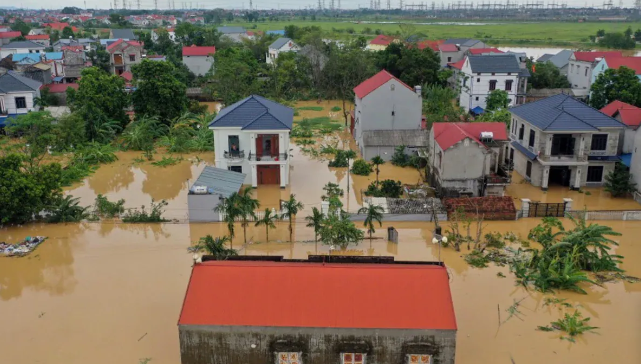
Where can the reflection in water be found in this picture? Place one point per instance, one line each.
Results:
(162, 183)
(111, 178)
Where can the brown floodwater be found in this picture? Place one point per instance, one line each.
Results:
(105, 293)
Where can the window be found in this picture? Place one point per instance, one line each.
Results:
(478, 79)
(509, 73)
(449, 59)
(419, 359)
(477, 98)
(392, 113)
(508, 85)
(528, 169)
(21, 102)
(521, 132)
(492, 85)
(493, 73)
(599, 141)
(478, 74)
(238, 169)
(578, 69)
(288, 358)
(595, 174)
(532, 136)
(352, 358)
(132, 58)
(586, 72)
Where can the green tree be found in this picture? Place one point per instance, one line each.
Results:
(235, 76)
(618, 40)
(26, 191)
(67, 32)
(247, 206)
(637, 35)
(21, 26)
(215, 247)
(99, 92)
(228, 208)
(71, 132)
(498, 99)
(315, 221)
(600, 32)
(619, 182)
(46, 99)
(373, 213)
(410, 64)
(66, 209)
(439, 105)
(339, 230)
(500, 115)
(546, 75)
(377, 161)
(268, 220)
(333, 193)
(158, 92)
(38, 131)
(141, 134)
(100, 58)
(292, 207)
(616, 84)
(286, 76)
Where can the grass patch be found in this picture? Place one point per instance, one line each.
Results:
(321, 122)
(166, 162)
(572, 325)
(336, 108)
(310, 108)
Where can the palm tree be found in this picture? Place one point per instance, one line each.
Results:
(373, 213)
(315, 220)
(377, 161)
(215, 246)
(268, 221)
(228, 207)
(292, 206)
(339, 230)
(67, 210)
(246, 207)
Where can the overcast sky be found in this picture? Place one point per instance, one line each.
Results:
(272, 4)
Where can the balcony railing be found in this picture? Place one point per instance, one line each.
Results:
(235, 155)
(268, 158)
(563, 158)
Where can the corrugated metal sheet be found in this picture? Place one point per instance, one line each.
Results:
(221, 181)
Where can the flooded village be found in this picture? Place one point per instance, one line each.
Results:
(194, 193)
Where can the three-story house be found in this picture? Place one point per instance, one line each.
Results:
(561, 141)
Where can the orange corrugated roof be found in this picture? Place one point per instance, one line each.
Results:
(458, 65)
(382, 40)
(630, 62)
(342, 295)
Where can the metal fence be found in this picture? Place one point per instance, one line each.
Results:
(623, 215)
(541, 209)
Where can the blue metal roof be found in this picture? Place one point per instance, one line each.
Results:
(498, 63)
(26, 57)
(564, 113)
(255, 113)
(531, 156)
(626, 159)
(220, 181)
(477, 110)
(279, 43)
(53, 55)
(275, 32)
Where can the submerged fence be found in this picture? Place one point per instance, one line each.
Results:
(624, 215)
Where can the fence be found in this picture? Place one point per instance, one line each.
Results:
(541, 209)
(624, 215)
(258, 215)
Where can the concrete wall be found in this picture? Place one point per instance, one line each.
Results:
(476, 89)
(198, 65)
(201, 208)
(259, 345)
(520, 165)
(384, 109)
(577, 75)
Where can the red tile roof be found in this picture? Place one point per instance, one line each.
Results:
(9, 35)
(128, 76)
(119, 41)
(198, 51)
(382, 40)
(448, 134)
(592, 56)
(630, 62)
(57, 88)
(484, 50)
(458, 65)
(630, 114)
(59, 26)
(37, 37)
(433, 44)
(448, 48)
(341, 295)
(376, 81)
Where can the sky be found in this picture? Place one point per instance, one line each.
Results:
(276, 4)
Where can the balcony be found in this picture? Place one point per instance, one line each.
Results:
(502, 177)
(235, 155)
(563, 158)
(268, 158)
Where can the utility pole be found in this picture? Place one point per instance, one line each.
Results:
(320, 5)
(115, 4)
(401, 5)
(156, 4)
(251, 5)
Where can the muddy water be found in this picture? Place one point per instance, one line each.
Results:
(213, 106)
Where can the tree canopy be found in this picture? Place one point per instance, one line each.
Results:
(546, 75)
(616, 84)
(410, 64)
(158, 92)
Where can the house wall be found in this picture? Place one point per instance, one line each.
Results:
(577, 75)
(374, 111)
(635, 164)
(273, 54)
(201, 208)
(449, 57)
(259, 345)
(476, 88)
(520, 165)
(10, 101)
(4, 52)
(198, 65)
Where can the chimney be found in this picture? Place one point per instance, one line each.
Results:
(418, 90)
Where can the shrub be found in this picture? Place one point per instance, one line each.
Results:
(311, 108)
(336, 109)
(105, 208)
(386, 188)
(301, 132)
(494, 240)
(400, 158)
(142, 215)
(361, 167)
(341, 158)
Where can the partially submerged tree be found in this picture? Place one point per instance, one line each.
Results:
(373, 213)
(215, 247)
(268, 220)
(292, 207)
(339, 230)
(315, 221)
(619, 182)
(247, 206)
(377, 161)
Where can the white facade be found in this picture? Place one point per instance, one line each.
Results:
(170, 32)
(475, 88)
(635, 164)
(580, 75)
(246, 156)
(4, 51)
(198, 65)
(10, 102)
(273, 53)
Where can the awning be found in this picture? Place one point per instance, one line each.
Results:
(626, 159)
(477, 110)
(57, 79)
(529, 155)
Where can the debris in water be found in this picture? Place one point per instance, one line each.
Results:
(142, 338)
(23, 248)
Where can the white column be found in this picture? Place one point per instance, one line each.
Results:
(581, 147)
(252, 143)
(577, 178)
(568, 204)
(525, 207)
(548, 145)
(282, 147)
(283, 175)
(546, 177)
(254, 174)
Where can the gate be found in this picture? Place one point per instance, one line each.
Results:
(544, 209)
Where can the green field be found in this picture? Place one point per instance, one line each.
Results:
(496, 33)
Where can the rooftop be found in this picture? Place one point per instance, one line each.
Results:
(310, 293)
(432, 44)
(494, 64)
(374, 82)
(592, 56)
(630, 115)
(231, 30)
(464, 42)
(633, 63)
(59, 87)
(564, 113)
(447, 47)
(220, 181)
(126, 34)
(10, 35)
(448, 134)
(255, 113)
(198, 51)
(13, 82)
(23, 44)
(279, 43)
(475, 51)
(382, 40)
(560, 59)
(393, 138)
(37, 37)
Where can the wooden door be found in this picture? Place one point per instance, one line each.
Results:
(268, 175)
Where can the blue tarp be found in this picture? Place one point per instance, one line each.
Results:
(5, 120)
(57, 79)
(276, 32)
(626, 159)
(477, 110)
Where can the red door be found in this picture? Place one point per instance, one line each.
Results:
(268, 175)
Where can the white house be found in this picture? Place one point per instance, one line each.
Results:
(17, 94)
(279, 46)
(607, 62)
(252, 137)
(198, 59)
(387, 114)
(581, 68)
(478, 76)
(170, 31)
(454, 50)
(25, 46)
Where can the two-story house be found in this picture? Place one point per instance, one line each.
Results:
(605, 63)
(560, 60)
(562, 141)
(22, 46)
(581, 68)
(478, 76)
(454, 50)
(199, 60)
(85, 44)
(17, 94)
(7, 36)
(387, 114)
(279, 46)
(123, 54)
(629, 115)
(252, 137)
(469, 158)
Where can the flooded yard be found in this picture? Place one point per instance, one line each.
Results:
(106, 293)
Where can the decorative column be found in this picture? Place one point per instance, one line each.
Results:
(577, 179)
(525, 206)
(546, 177)
(568, 204)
